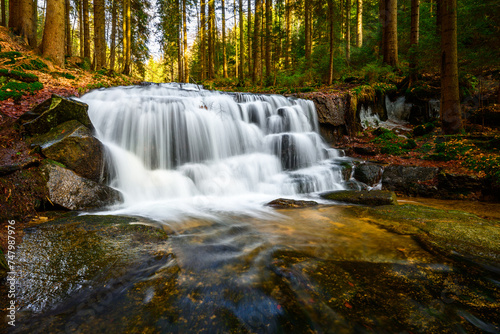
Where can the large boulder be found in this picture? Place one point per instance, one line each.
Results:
(372, 198)
(368, 173)
(73, 192)
(53, 112)
(285, 203)
(410, 180)
(73, 145)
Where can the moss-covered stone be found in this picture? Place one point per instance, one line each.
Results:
(372, 198)
(284, 203)
(52, 113)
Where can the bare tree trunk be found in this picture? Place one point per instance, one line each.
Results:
(127, 37)
(203, 11)
(414, 37)
(382, 14)
(348, 30)
(4, 14)
(331, 12)
(224, 60)
(53, 33)
(288, 17)
(242, 42)
(180, 68)
(391, 32)
(211, 35)
(451, 118)
(68, 29)
(359, 24)
(249, 37)
(15, 16)
(307, 24)
(86, 29)
(27, 25)
(80, 15)
(269, 19)
(256, 42)
(112, 51)
(184, 23)
(99, 35)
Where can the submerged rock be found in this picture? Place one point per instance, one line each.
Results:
(73, 145)
(53, 112)
(284, 203)
(371, 174)
(73, 192)
(410, 180)
(373, 198)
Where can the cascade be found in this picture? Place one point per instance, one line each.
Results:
(177, 151)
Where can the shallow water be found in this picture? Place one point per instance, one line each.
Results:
(326, 270)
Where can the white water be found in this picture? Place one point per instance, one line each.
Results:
(179, 153)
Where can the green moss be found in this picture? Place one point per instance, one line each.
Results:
(16, 90)
(63, 75)
(34, 64)
(10, 54)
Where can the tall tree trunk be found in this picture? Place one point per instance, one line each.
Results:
(438, 17)
(269, 20)
(249, 38)
(203, 11)
(68, 29)
(359, 24)
(307, 24)
(224, 60)
(256, 42)
(80, 15)
(242, 42)
(27, 25)
(391, 33)
(184, 24)
(53, 33)
(331, 13)
(451, 118)
(112, 50)
(15, 16)
(4, 13)
(348, 30)
(288, 18)
(180, 67)
(211, 35)
(414, 37)
(86, 29)
(99, 35)
(381, 16)
(127, 37)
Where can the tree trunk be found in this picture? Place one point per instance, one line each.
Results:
(99, 35)
(359, 24)
(68, 28)
(4, 14)
(268, 37)
(288, 18)
(80, 14)
(184, 23)
(307, 23)
(348, 30)
(224, 61)
(451, 118)
(211, 35)
(249, 38)
(27, 25)
(127, 37)
(242, 44)
(203, 66)
(256, 42)
(391, 33)
(15, 16)
(112, 51)
(53, 33)
(414, 37)
(331, 13)
(180, 68)
(86, 29)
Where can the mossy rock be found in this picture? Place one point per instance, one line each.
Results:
(52, 113)
(284, 203)
(371, 198)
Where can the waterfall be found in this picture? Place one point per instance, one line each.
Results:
(179, 151)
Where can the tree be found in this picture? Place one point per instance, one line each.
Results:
(99, 35)
(184, 29)
(112, 49)
(414, 37)
(331, 11)
(249, 36)
(391, 33)
(4, 13)
(203, 11)
(268, 37)
(307, 27)
(288, 18)
(451, 119)
(27, 21)
(86, 29)
(348, 30)
(127, 37)
(224, 60)
(242, 43)
(15, 16)
(359, 24)
(256, 74)
(53, 33)
(211, 38)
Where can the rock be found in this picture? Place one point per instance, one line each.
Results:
(361, 150)
(77, 193)
(53, 112)
(370, 174)
(457, 185)
(27, 162)
(284, 203)
(410, 180)
(73, 145)
(373, 198)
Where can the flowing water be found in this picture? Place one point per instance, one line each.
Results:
(200, 165)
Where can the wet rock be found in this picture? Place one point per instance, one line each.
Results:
(73, 192)
(457, 185)
(53, 112)
(410, 180)
(355, 185)
(284, 203)
(372, 198)
(73, 145)
(370, 174)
